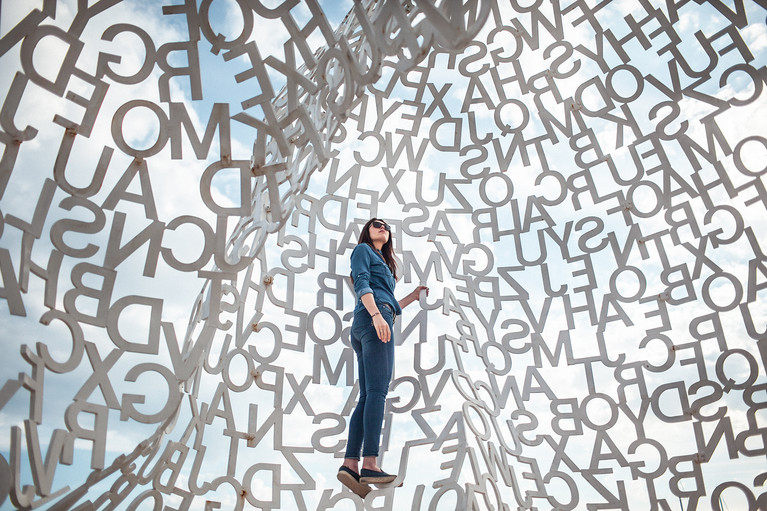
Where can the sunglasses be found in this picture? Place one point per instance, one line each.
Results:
(378, 225)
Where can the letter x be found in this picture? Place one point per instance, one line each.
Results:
(700, 257)
(298, 394)
(393, 180)
(559, 453)
(99, 376)
(438, 96)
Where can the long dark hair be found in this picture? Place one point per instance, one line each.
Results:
(387, 251)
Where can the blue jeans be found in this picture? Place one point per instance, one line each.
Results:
(375, 362)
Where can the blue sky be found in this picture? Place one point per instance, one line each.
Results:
(176, 192)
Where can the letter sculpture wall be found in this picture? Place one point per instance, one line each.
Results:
(580, 184)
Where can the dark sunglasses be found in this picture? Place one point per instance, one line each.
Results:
(378, 225)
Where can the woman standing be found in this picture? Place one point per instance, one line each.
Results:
(374, 274)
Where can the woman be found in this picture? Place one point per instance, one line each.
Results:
(374, 274)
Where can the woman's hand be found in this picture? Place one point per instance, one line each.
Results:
(413, 296)
(382, 328)
(417, 292)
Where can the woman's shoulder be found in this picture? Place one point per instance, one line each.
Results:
(362, 247)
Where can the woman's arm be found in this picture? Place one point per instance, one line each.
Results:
(360, 266)
(360, 262)
(379, 323)
(412, 296)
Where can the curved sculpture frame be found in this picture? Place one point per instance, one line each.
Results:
(581, 186)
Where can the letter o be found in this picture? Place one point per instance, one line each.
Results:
(736, 286)
(613, 412)
(717, 494)
(738, 159)
(226, 374)
(117, 129)
(642, 281)
(507, 183)
(336, 326)
(639, 85)
(658, 199)
(485, 435)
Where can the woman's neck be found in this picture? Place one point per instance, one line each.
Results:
(377, 245)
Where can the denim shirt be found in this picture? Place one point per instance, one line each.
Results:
(372, 275)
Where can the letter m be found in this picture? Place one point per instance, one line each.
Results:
(219, 116)
(714, 135)
(345, 361)
(539, 345)
(409, 263)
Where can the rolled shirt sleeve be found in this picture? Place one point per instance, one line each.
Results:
(360, 263)
(371, 275)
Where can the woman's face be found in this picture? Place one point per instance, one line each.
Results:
(379, 231)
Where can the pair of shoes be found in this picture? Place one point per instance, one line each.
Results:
(376, 476)
(351, 480)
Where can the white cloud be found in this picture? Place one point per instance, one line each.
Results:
(755, 36)
(177, 193)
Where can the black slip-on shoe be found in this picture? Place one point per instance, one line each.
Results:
(352, 481)
(376, 476)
